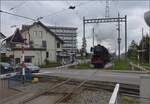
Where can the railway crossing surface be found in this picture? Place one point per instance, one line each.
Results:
(100, 75)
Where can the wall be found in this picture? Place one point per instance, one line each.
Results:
(46, 36)
(38, 56)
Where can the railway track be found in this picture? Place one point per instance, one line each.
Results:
(44, 92)
(96, 85)
(79, 86)
(76, 89)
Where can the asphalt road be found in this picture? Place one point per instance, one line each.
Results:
(97, 75)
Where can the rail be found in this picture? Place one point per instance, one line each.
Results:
(113, 99)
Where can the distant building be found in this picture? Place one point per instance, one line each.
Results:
(69, 36)
(42, 44)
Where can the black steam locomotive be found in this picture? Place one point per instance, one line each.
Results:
(100, 56)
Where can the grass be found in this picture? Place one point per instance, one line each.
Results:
(81, 66)
(50, 65)
(128, 100)
(120, 64)
(145, 65)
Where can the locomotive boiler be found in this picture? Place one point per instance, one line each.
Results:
(100, 56)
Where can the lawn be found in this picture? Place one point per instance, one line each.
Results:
(120, 64)
(128, 100)
(81, 66)
(50, 64)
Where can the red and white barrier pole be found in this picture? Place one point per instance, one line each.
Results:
(23, 65)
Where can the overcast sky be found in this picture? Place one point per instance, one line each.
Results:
(57, 13)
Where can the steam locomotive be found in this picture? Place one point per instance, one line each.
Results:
(100, 56)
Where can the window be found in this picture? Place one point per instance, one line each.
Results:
(58, 45)
(44, 44)
(34, 33)
(17, 60)
(28, 59)
(40, 34)
(47, 54)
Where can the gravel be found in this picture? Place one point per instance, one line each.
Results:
(91, 97)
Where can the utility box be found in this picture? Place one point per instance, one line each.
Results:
(145, 89)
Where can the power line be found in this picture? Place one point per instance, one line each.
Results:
(52, 14)
(64, 9)
(17, 6)
(17, 15)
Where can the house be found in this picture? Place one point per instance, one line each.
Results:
(40, 44)
(69, 37)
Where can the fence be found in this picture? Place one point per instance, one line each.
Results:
(137, 67)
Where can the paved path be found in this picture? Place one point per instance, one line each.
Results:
(98, 75)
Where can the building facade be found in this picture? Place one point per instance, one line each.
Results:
(69, 36)
(41, 44)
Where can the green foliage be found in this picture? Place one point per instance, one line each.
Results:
(144, 45)
(143, 53)
(120, 64)
(128, 100)
(132, 51)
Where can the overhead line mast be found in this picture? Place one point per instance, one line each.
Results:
(107, 9)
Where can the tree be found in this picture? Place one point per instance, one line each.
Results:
(144, 45)
(132, 51)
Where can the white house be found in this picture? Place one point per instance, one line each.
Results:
(41, 44)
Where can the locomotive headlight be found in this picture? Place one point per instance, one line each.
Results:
(147, 18)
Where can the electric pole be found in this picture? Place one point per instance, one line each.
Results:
(119, 39)
(107, 9)
(84, 39)
(142, 43)
(93, 37)
(149, 38)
